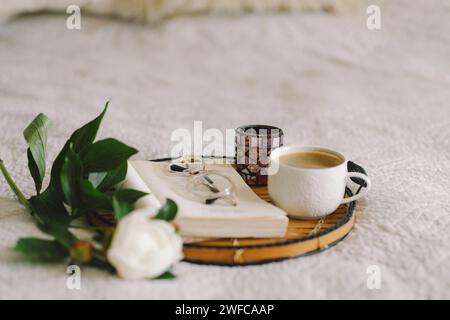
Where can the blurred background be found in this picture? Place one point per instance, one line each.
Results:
(317, 69)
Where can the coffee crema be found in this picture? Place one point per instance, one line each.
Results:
(311, 160)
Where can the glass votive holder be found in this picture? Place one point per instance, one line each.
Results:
(254, 144)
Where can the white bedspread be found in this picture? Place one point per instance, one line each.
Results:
(381, 96)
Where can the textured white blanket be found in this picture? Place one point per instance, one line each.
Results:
(381, 96)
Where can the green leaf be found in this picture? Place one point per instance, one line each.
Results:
(105, 155)
(129, 195)
(121, 208)
(62, 235)
(104, 181)
(34, 171)
(42, 250)
(94, 199)
(80, 139)
(123, 201)
(36, 135)
(52, 217)
(168, 212)
(55, 179)
(71, 175)
(167, 276)
(85, 136)
(49, 209)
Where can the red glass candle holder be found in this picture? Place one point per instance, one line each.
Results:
(254, 144)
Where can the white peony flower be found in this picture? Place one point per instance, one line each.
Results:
(143, 247)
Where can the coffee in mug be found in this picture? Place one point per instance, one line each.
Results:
(310, 182)
(310, 160)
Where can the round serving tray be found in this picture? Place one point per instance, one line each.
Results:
(303, 237)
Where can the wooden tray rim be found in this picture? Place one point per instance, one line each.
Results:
(263, 261)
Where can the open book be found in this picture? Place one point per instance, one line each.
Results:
(252, 217)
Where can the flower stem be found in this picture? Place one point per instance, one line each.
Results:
(91, 228)
(22, 199)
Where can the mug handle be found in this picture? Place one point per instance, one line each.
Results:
(361, 194)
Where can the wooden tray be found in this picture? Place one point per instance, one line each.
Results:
(303, 237)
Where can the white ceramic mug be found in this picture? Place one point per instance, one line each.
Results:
(310, 193)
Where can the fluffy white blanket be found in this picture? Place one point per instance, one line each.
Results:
(380, 96)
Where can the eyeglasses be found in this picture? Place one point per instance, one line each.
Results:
(187, 166)
(208, 186)
(211, 187)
